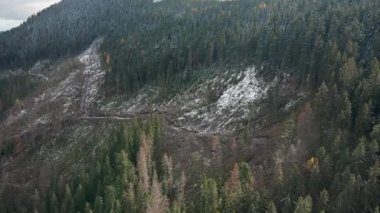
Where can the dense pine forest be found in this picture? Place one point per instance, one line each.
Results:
(330, 48)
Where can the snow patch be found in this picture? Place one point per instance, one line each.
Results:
(65, 93)
(247, 90)
(234, 92)
(40, 98)
(22, 113)
(218, 102)
(41, 121)
(93, 76)
(191, 114)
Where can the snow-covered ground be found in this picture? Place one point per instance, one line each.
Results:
(237, 92)
(193, 109)
(247, 90)
(216, 104)
(71, 90)
(93, 76)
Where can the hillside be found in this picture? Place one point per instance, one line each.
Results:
(192, 106)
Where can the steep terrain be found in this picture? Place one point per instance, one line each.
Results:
(46, 127)
(192, 106)
(46, 133)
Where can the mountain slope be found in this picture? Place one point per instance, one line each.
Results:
(64, 29)
(192, 106)
(68, 112)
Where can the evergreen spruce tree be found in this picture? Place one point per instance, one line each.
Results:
(168, 179)
(110, 199)
(53, 204)
(79, 198)
(323, 200)
(98, 205)
(375, 73)
(348, 72)
(36, 200)
(345, 111)
(304, 205)
(322, 103)
(126, 169)
(209, 200)
(67, 204)
(363, 120)
(271, 208)
(87, 208)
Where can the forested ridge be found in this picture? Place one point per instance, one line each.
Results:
(64, 29)
(330, 47)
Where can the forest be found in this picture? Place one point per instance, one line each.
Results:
(331, 47)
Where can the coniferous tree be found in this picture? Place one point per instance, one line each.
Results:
(79, 198)
(271, 208)
(36, 200)
(375, 73)
(98, 205)
(323, 200)
(87, 208)
(67, 204)
(142, 166)
(158, 202)
(168, 179)
(321, 103)
(53, 204)
(209, 199)
(110, 199)
(125, 168)
(348, 72)
(363, 121)
(304, 205)
(345, 111)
